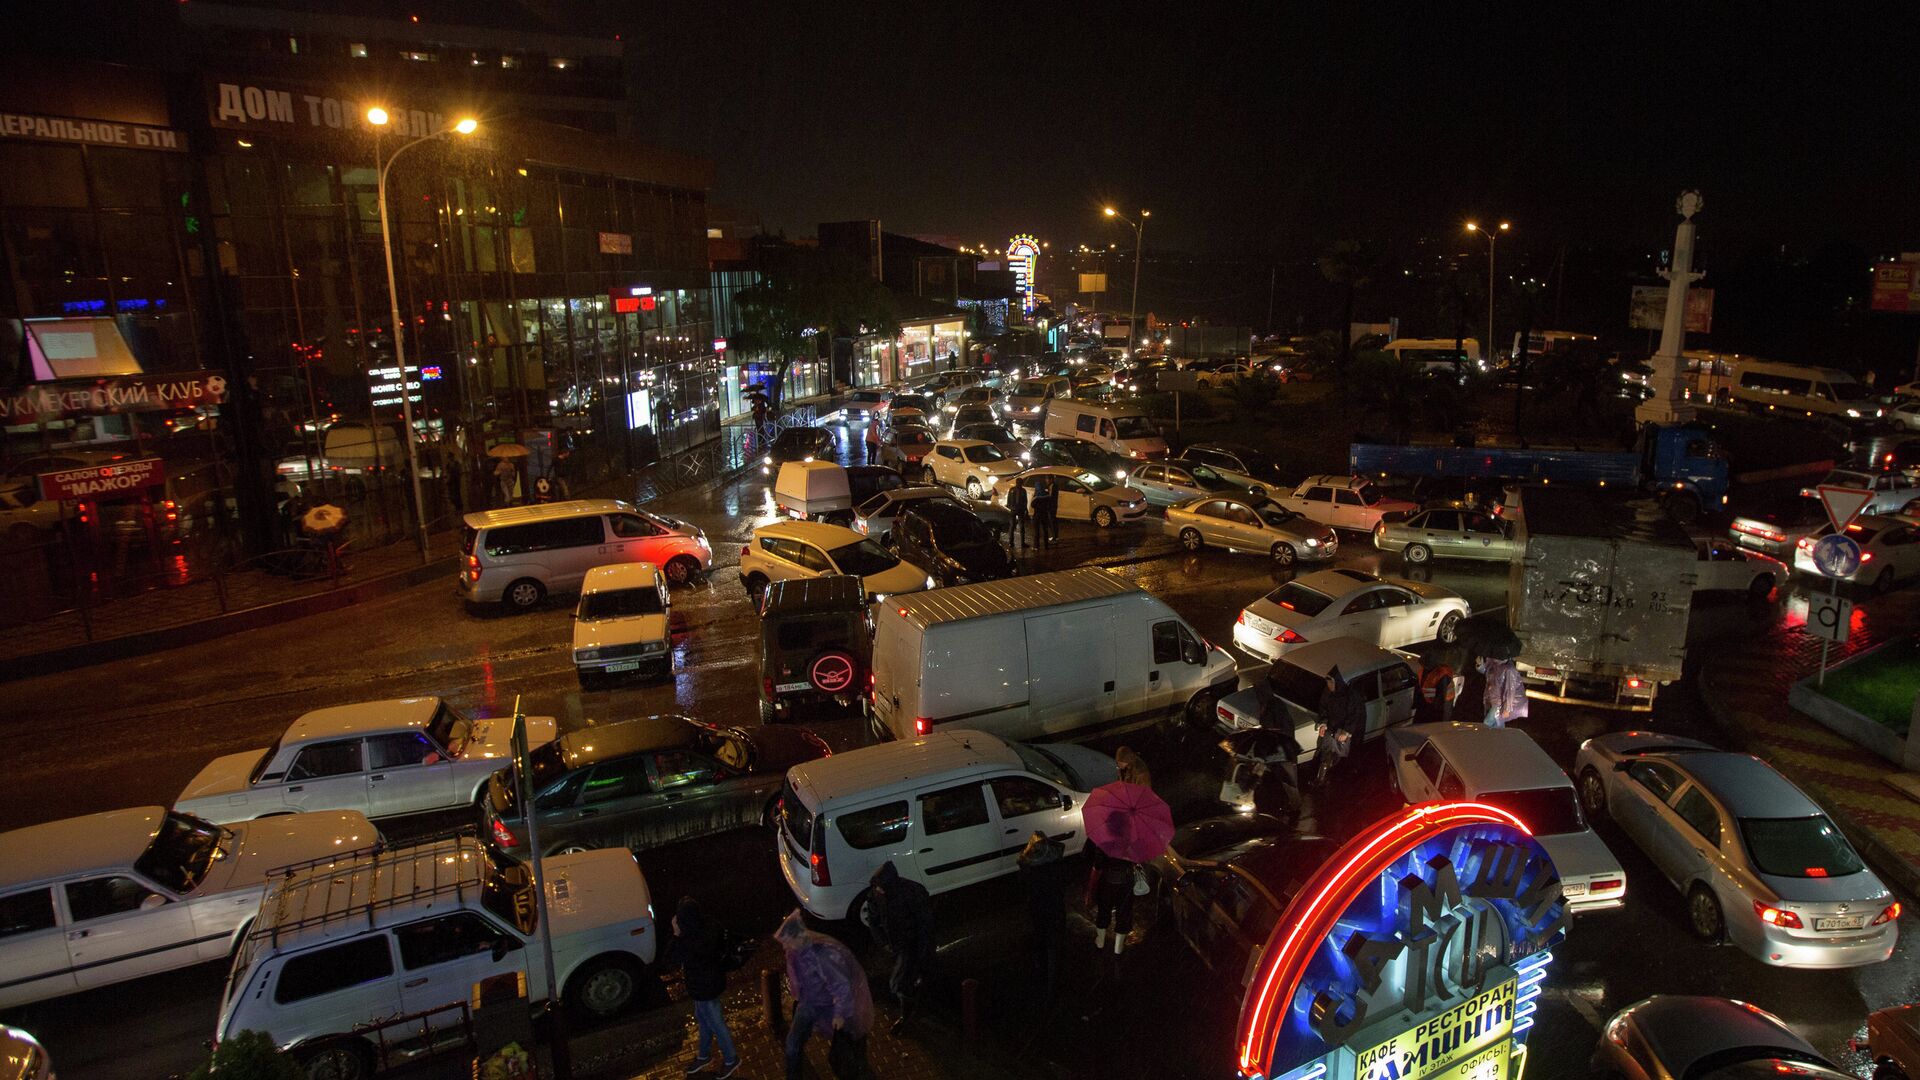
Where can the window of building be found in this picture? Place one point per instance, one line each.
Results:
(559, 63)
(423, 57)
(508, 60)
(42, 175)
(357, 50)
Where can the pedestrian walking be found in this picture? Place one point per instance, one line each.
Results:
(1043, 869)
(906, 925)
(1133, 767)
(1506, 694)
(506, 477)
(697, 947)
(1439, 689)
(1017, 507)
(1342, 716)
(1110, 884)
(872, 439)
(831, 999)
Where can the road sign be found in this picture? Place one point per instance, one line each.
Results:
(1829, 617)
(1843, 503)
(1836, 555)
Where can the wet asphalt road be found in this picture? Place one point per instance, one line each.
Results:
(134, 732)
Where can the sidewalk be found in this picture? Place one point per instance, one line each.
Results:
(1747, 693)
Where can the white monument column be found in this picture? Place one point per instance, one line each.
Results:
(1669, 404)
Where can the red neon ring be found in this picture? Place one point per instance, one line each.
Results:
(1330, 890)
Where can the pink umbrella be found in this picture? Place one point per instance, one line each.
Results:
(1128, 821)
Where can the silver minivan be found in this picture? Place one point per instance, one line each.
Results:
(518, 555)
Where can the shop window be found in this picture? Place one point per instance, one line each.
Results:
(42, 175)
(357, 50)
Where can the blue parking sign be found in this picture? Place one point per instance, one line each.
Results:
(1837, 556)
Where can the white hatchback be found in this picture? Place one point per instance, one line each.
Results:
(803, 549)
(1388, 612)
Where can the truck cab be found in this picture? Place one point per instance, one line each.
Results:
(1685, 467)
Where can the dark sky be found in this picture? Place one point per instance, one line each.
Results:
(1273, 128)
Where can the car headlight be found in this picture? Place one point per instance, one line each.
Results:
(880, 597)
(1311, 542)
(1026, 457)
(1855, 413)
(587, 654)
(930, 582)
(1121, 476)
(656, 646)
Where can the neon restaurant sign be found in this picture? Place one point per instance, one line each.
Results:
(1418, 952)
(1023, 258)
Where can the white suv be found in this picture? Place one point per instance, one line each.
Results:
(968, 463)
(100, 899)
(357, 938)
(803, 549)
(382, 758)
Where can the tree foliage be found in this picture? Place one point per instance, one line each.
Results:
(248, 1055)
(805, 298)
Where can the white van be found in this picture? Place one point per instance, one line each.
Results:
(1437, 356)
(1119, 428)
(814, 491)
(1764, 386)
(1048, 656)
(518, 555)
(948, 810)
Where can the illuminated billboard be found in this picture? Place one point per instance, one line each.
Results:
(1023, 258)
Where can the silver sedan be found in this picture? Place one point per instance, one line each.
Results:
(1673, 1035)
(1243, 524)
(1448, 534)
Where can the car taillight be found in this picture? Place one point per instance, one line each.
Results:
(1774, 916)
(503, 835)
(1606, 885)
(1287, 637)
(1866, 556)
(173, 510)
(1891, 913)
(922, 725)
(473, 564)
(1635, 683)
(1242, 620)
(766, 686)
(817, 858)
(1224, 713)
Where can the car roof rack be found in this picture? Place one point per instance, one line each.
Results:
(366, 881)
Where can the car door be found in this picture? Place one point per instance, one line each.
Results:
(1245, 528)
(1317, 504)
(1076, 502)
(119, 927)
(641, 540)
(1639, 796)
(1152, 482)
(1161, 693)
(1419, 773)
(1398, 690)
(339, 987)
(1405, 618)
(1349, 512)
(1361, 618)
(407, 774)
(1179, 484)
(957, 840)
(1024, 805)
(615, 808)
(327, 776)
(1484, 536)
(696, 795)
(580, 544)
(946, 464)
(34, 962)
(1439, 530)
(1900, 546)
(443, 958)
(1692, 845)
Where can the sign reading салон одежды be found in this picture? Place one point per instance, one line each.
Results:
(91, 482)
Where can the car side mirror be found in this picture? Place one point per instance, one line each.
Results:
(1066, 801)
(502, 946)
(1410, 755)
(1622, 766)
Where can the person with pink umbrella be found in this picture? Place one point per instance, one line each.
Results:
(1128, 825)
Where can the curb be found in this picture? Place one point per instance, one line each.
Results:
(147, 642)
(1883, 858)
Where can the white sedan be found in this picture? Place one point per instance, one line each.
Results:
(1727, 567)
(1387, 612)
(1889, 551)
(1084, 495)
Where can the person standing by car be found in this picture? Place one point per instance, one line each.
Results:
(906, 924)
(1439, 688)
(1045, 504)
(872, 439)
(1043, 869)
(1342, 713)
(697, 947)
(1506, 694)
(1017, 506)
(830, 998)
(1111, 886)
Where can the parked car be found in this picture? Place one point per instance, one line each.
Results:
(1504, 767)
(954, 545)
(1677, 1037)
(1893, 1042)
(1245, 524)
(986, 396)
(1245, 466)
(866, 481)
(798, 444)
(816, 644)
(518, 555)
(95, 900)
(1084, 495)
(969, 415)
(1385, 680)
(1222, 374)
(1345, 502)
(381, 758)
(875, 516)
(1727, 567)
(621, 623)
(1179, 480)
(1761, 865)
(814, 491)
(1778, 530)
(1028, 399)
(948, 809)
(1388, 612)
(965, 464)
(1905, 414)
(906, 448)
(799, 549)
(1449, 534)
(1891, 490)
(910, 401)
(1889, 551)
(1226, 881)
(1901, 459)
(997, 434)
(645, 782)
(1081, 454)
(365, 935)
(865, 406)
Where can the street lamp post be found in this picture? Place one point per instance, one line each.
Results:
(1493, 240)
(1133, 309)
(378, 118)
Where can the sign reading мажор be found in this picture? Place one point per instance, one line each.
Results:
(96, 481)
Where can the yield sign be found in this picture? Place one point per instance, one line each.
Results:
(1843, 504)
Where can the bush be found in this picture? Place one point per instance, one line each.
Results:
(248, 1055)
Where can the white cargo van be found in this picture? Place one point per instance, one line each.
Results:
(1764, 386)
(1121, 429)
(1048, 656)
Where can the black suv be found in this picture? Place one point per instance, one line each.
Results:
(951, 544)
(816, 644)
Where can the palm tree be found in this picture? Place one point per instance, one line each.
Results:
(1349, 265)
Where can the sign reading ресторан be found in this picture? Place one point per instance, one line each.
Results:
(64, 129)
(93, 481)
(245, 106)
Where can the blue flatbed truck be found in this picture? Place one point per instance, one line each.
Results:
(1681, 466)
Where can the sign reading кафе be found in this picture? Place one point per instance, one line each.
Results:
(89, 132)
(252, 106)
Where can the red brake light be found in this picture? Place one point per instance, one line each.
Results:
(473, 563)
(1805, 544)
(1891, 913)
(1606, 885)
(1774, 916)
(922, 725)
(1866, 556)
(1634, 683)
(1242, 620)
(1287, 637)
(503, 835)
(817, 857)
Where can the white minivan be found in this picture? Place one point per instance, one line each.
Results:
(948, 809)
(1047, 656)
(1764, 386)
(1119, 428)
(518, 555)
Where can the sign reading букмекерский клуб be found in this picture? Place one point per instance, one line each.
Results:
(91, 132)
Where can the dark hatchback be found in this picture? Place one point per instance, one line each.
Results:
(645, 782)
(799, 444)
(949, 543)
(1226, 881)
(816, 645)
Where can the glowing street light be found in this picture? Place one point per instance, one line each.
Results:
(1493, 239)
(1139, 227)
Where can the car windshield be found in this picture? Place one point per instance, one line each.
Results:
(1275, 514)
(864, 557)
(450, 729)
(1805, 847)
(1135, 427)
(1031, 387)
(913, 437)
(980, 454)
(1093, 480)
(912, 401)
(1041, 763)
(621, 604)
(992, 433)
(868, 395)
(180, 854)
(1850, 391)
(1297, 597)
(1547, 811)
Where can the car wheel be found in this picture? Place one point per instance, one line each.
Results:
(1199, 711)
(1450, 628)
(1416, 553)
(570, 849)
(756, 586)
(931, 480)
(604, 987)
(1761, 587)
(1888, 1069)
(973, 487)
(681, 569)
(768, 715)
(1593, 793)
(1703, 915)
(1192, 540)
(525, 594)
(1284, 555)
(338, 1059)
(1104, 518)
(1683, 508)
(1884, 583)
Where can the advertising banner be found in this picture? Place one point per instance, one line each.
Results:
(1649, 309)
(92, 482)
(254, 106)
(136, 393)
(89, 132)
(1896, 287)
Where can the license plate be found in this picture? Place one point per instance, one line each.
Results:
(1569, 888)
(625, 665)
(1840, 922)
(786, 686)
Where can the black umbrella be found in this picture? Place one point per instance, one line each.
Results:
(1489, 635)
